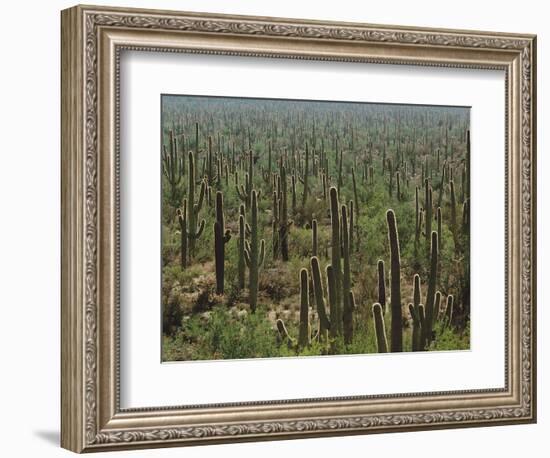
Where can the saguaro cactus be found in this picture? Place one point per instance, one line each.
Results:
(173, 167)
(285, 336)
(430, 297)
(351, 226)
(346, 280)
(211, 176)
(194, 228)
(314, 237)
(414, 309)
(395, 299)
(355, 193)
(284, 222)
(240, 250)
(381, 285)
(340, 166)
(439, 229)
(418, 221)
(221, 237)
(254, 253)
(325, 324)
(303, 338)
(336, 255)
(305, 177)
(453, 212)
(448, 319)
(380, 328)
(182, 218)
(428, 209)
(245, 191)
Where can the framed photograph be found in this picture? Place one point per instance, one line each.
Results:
(278, 228)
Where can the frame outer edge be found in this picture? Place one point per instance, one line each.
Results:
(534, 222)
(72, 227)
(80, 431)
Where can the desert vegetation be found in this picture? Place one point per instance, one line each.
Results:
(297, 228)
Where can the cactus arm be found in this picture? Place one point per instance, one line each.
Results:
(381, 286)
(200, 230)
(449, 311)
(241, 192)
(285, 336)
(227, 236)
(198, 206)
(352, 300)
(318, 293)
(314, 237)
(437, 306)
(396, 317)
(261, 256)
(247, 257)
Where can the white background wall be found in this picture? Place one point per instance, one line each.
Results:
(30, 212)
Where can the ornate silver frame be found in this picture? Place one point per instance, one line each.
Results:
(92, 38)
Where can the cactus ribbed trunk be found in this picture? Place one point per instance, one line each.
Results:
(428, 210)
(395, 299)
(314, 237)
(194, 228)
(415, 313)
(221, 237)
(325, 324)
(182, 218)
(336, 256)
(453, 213)
(430, 298)
(284, 224)
(306, 173)
(303, 338)
(381, 285)
(254, 254)
(347, 316)
(448, 311)
(380, 328)
(355, 194)
(240, 249)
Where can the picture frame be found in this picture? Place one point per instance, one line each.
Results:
(93, 38)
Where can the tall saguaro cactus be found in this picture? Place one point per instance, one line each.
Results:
(254, 253)
(336, 255)
(395, 299)
(173, 167)
(427, 330)
(314, 245)
(240, 249)
(284, 222)
(221, 237)
(194, 228)
(347, 315)
(303, 338)
(428, 209)
(305, 177)
(245, 191)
